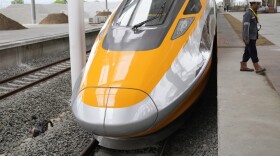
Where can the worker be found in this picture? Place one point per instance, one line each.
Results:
(251, 26)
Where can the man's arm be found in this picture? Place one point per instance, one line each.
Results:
(246, 27)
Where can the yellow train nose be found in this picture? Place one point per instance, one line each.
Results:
(115, 111)
(112, 97)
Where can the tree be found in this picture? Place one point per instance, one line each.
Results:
(61, 1)
(17, 2)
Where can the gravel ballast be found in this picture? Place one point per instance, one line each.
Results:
(199, 135)
(66, 138)
(48, 100)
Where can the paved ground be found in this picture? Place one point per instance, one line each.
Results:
(248, 107)
(270, 59)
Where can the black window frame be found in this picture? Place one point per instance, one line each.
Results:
(119, 13)
(193, 7)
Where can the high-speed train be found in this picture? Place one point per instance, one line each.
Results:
(148, 65)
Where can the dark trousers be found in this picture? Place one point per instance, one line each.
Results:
(251, 52)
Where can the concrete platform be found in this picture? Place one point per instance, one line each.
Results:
(20, 46)
(248, 104)
(38, 33)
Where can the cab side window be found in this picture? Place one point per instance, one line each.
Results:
(193, 7)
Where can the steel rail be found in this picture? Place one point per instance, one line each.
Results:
(91, 149)
(39, 72)
(32, 83)
(32, 71)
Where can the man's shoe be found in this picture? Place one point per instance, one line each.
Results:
(243, 67)
(259, 69)
(261, 72)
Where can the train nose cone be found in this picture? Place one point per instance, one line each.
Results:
(115, 112)
(129, 112)
(89, 109)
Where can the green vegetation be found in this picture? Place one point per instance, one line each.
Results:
(17, 2)
(60, 1)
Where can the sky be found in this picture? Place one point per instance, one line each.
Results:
(51, 1)
(233, 0)
(41, 1)
(4, 3)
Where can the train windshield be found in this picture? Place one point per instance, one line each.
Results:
(153, 12)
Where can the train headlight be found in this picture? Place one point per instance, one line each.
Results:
(182, 27)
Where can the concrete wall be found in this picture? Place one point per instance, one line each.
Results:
(16, 55)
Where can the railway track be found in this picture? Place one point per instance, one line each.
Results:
(93, 149)
(25, 80)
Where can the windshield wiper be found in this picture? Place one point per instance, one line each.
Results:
(159, 14)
